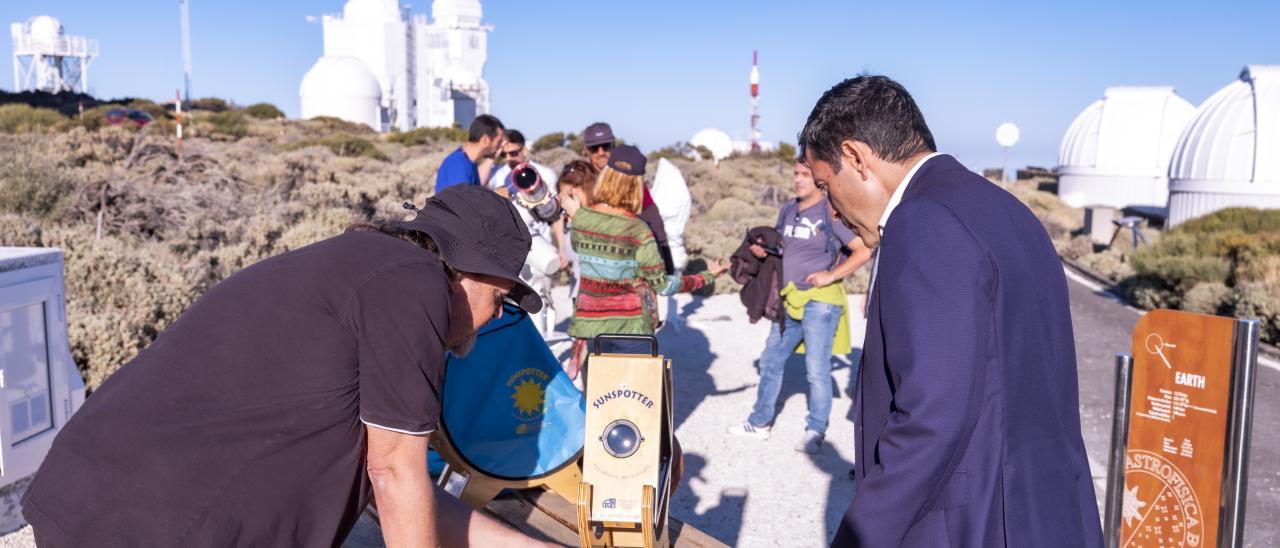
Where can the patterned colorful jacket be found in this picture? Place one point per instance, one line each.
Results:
(621, 275)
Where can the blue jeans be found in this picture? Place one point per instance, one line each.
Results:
(818, 331)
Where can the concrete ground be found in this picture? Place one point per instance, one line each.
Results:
(763, 493)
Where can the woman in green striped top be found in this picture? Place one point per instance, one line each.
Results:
(622, 272)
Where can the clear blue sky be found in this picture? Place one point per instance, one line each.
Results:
(659, 70)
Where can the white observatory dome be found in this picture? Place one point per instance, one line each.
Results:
(1116, 153)
(342, 87)
(372, 11)
(45, 29)
(1230, 154)
(717, 141)
(457, 13)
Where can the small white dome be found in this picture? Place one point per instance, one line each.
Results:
(1116, 153)
(372, 11)
(457, 13)
(717, 141)
(1229, 156)
(342, 87)
(45, 29)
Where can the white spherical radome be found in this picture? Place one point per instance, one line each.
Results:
(717, 141)
(45, 29)
(1007, 134)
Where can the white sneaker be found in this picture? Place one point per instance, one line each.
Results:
(810, 443)
(746, 430)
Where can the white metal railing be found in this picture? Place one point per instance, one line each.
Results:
(62, 46)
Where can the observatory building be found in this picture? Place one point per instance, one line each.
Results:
(1229, 156)
(46, 59)
(1116, 153)
(428, 73)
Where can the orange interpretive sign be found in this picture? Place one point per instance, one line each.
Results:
(1178, 423)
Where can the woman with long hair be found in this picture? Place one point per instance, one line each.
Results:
(621, 272)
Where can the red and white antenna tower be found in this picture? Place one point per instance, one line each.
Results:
(755, 103)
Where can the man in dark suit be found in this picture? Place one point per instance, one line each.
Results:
(966, 406)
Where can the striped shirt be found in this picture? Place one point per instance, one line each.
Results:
(621, 275)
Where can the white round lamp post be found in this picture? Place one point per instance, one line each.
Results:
(1007, 135)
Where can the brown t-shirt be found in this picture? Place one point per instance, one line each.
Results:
(242, 424)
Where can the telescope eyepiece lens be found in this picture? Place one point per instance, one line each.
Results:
(621, 438)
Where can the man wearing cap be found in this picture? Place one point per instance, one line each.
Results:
(598, 141)
(293, 393)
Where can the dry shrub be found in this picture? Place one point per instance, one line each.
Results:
(1112, 264)
(1260, 301)
(19, 231)
(1074, 248)
(1060, 220)
(121, 293)
(1207, 298)
(31, 181)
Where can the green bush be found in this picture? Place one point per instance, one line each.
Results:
(263, 111)
(211, 104)
(345, 145)
(786, 152)
(425, 135)
(1244, 219)
(549, 141)
(20, 118)
(330, 123)
(230, 123)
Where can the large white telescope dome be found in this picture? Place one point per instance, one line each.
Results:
(1229, 155)
(342, 87)
(1116, 153)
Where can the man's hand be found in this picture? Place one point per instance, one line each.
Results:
(408, 502)
(758, 251)
(821, 279)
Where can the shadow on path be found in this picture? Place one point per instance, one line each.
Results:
(722, 521)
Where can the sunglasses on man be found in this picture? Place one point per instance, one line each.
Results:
(511, 153)
(601, 147)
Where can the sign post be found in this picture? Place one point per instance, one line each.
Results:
(1189, 416)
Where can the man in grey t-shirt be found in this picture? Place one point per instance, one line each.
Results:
(817, 253)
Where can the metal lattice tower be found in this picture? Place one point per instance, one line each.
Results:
(45, 59)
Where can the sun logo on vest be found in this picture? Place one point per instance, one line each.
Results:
(528, 398)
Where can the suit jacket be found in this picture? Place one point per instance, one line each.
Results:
(967, 407)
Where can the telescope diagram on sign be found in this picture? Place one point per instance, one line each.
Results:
(1156, 344)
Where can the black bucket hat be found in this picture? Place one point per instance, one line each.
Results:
(479, 232)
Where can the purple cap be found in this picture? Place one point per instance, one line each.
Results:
(598, 133)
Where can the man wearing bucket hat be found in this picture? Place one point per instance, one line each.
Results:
(293, 393)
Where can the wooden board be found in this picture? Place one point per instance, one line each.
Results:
(547, 516)
(1177, 429)
(622, 387)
